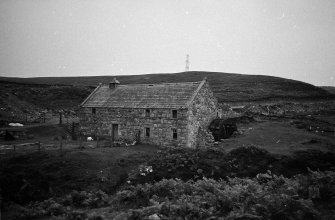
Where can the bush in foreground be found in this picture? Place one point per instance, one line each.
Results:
(215, 163)
(245, 183)
(265, 197)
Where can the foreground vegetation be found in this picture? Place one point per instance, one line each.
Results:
(175, 183)
(267, 196)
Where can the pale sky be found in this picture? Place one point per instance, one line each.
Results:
(287, 38)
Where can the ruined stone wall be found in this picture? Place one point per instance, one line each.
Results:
(202, 111)
(204, 138)
(134, 121)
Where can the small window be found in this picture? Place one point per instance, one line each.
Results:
(174, 133)
(174, 114)
(94, 111)
(147, 132)
(147, 113)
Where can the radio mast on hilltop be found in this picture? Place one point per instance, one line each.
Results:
(187, 63)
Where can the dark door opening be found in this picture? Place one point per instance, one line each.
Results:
(138, 136)
(115, 132)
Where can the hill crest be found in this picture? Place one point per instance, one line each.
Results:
(228, 87)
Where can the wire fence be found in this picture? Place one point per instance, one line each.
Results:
(60, 145)
(16, 149)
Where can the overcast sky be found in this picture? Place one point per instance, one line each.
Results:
(287, 38)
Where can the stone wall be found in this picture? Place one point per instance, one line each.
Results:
(202, 111)
(204, 138)
(132, 122)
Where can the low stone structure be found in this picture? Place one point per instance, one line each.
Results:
(167, 114)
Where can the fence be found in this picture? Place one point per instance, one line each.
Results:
(22, 148)
(27, 119)
(70, 124)
(60, 146)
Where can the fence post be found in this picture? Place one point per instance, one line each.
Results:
(39, 146)
(97, 141)
(80, 142)
(0, 204)
(14, 146)
(60, 118)
(61, 145)
(73, 129)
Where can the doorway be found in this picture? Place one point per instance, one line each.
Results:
(115, 132)
(138, 136)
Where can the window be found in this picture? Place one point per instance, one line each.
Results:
(174, 114)
(147, 113)
(147, 132)
(93, 111)
(174, 133)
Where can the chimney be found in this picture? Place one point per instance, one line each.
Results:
(114, 83)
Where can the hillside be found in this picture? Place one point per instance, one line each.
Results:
(21, 100)
(228, 87)
(330, 89)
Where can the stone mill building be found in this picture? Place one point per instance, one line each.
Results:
(166, 114)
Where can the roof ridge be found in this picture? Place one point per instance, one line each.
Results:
(145, 84)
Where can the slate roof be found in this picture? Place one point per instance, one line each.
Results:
(165, 95)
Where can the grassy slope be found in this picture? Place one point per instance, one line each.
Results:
(330, 89)
(16, 97)
(227, 87)
(49, 173)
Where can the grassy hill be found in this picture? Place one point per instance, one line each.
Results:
(228, 87)
(330, 89)
(17, 100)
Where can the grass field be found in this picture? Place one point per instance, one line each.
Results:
(50, 172)
(330, 89)
(280, 137)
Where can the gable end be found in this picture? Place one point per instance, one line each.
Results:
(90, 95)
(197, 91)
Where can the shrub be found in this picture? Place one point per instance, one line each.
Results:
(65, 207)
(301, 160)
(94, 199)
(186, 164)
(234, 198)
(266, 196)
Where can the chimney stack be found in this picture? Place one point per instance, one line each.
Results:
(114, 83)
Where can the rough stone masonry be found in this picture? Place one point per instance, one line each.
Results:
(167, 114)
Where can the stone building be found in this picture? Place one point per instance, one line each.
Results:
(167, 114)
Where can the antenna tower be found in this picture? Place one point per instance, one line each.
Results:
(187, 63)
